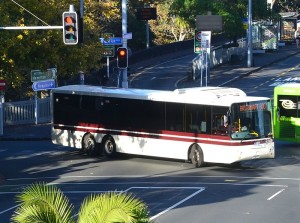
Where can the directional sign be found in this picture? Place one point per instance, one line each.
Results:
(108, 51)
(2, 85)
(38, 75)
(112, 41)
(43, 85)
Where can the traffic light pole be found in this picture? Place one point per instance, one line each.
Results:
(124, 31)
(250, 45)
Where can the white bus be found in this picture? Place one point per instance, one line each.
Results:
(207, 124)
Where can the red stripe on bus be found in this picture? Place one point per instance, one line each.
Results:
(164, 135)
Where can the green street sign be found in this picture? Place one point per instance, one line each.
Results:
(107, 36)
(38, 75)
(109, 51)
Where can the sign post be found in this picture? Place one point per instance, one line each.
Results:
(2, 88)
(202, 42)
(42, 81)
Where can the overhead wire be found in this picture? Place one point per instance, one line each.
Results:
(30, 12)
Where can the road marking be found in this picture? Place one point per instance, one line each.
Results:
(148, 176)
(199, 190)
(274, 195)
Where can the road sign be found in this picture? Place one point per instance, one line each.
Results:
(112, 41)
(43, 85)
(209, 22)
(38, 75)
(146, 14)
(109, 51)
(107, 36)
(2, 85)
(205, 39)
(197, 42)
(127, 36)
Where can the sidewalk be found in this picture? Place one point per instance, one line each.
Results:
(227, 73)
(219, 76)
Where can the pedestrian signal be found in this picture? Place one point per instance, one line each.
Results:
(70, 28)
(122, 57)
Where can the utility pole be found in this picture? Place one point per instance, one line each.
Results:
(250, 51)
(124, 31)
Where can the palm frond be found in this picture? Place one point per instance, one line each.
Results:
(40, 202)
(110, 207)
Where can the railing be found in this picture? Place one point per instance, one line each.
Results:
(219, 55)
(26, 112)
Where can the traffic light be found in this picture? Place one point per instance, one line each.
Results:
(122, 57)
(70, 26)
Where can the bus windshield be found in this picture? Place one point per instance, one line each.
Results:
(250, 120)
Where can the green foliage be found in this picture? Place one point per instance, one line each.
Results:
(46, 203)
(43, 203)
(24, 50)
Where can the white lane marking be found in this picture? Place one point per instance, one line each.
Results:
(2, 212)
(149, 176)
(274, 195)
(199, 190)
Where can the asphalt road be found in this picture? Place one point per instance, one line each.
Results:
(262, 83)
(256, 191)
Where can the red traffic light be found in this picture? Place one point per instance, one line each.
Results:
(70, 28)
(69, 19)
(122, 57)
(122, 52)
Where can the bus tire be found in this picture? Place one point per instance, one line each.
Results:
(196, 156)
(89, 144)
(109, 147)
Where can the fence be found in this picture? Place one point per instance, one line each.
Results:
(26, 112)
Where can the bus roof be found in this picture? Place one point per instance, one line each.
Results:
(288, 85)
(219, 96)
(288, 89)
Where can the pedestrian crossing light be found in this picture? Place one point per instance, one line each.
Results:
(70, 28)
(122, 57)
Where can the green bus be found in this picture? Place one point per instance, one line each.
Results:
(287, 112)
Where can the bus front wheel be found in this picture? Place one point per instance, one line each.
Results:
(196, 156)
(109, 146)
(89, 145)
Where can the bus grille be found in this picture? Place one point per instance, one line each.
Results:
(287, 130)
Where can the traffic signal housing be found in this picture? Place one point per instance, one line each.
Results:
(122, 57)
(70, 28)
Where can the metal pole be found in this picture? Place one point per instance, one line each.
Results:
(36, 107)
(124, 31)
(201, 68)
(107, 67)
(250, 53)
(147, 34)
(206, 65)
(1, 116)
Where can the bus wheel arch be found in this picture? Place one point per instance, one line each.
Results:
(89, 144)
(196, 155)
(109, 146)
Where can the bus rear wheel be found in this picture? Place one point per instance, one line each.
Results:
(196, 156)
(109, 146)
(89, 145)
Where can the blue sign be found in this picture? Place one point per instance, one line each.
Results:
(112, 41)
(43, 85)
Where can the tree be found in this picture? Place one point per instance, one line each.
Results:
(286, 6)
(40, 202)
(169, 27)
(24, 50)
